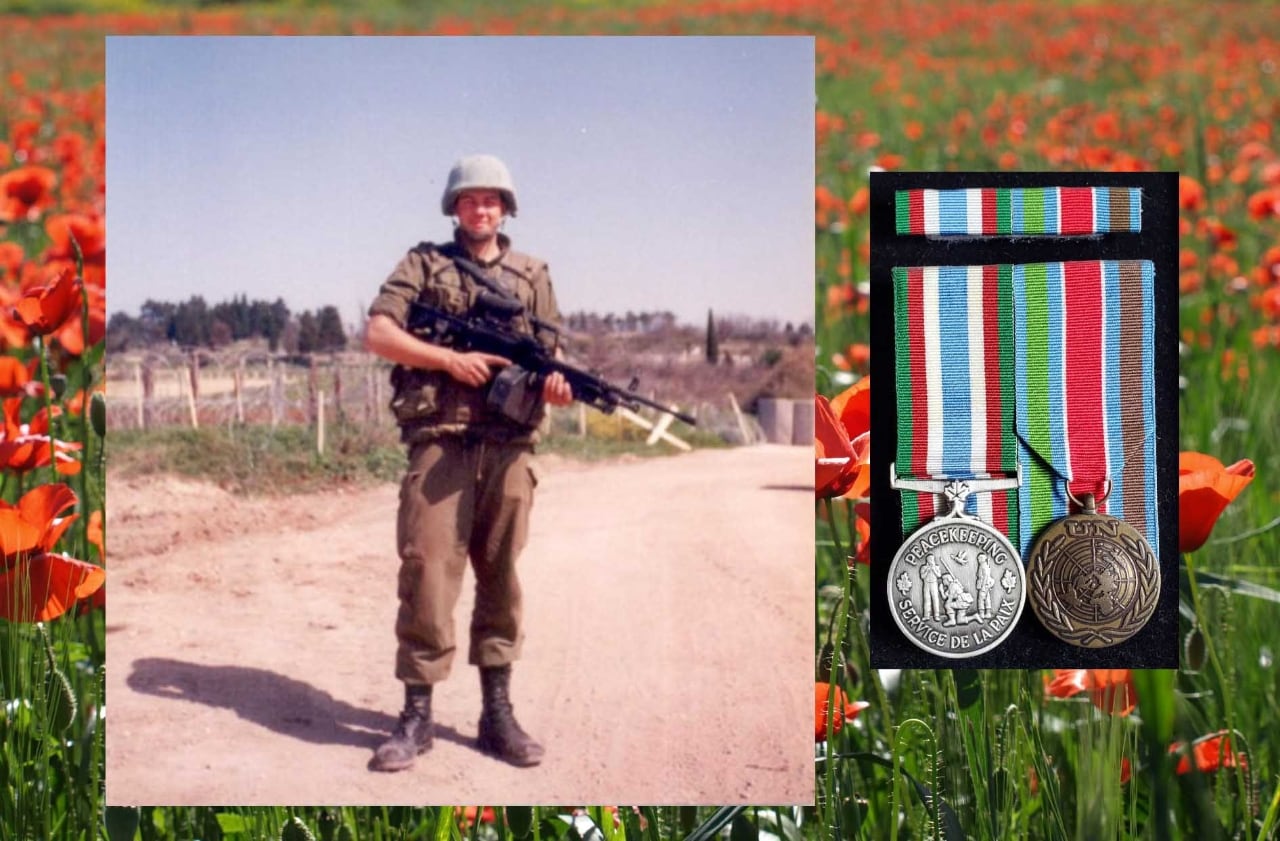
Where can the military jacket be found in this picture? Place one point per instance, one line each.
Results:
(426, 403)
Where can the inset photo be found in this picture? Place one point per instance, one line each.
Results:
(1025, 420)
(461, 428)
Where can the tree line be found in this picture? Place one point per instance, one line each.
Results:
(194, 324)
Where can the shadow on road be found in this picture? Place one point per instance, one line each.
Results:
(282, 704)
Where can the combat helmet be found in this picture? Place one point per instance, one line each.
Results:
(479, 172)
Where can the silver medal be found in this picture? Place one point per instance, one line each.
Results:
(956, 585)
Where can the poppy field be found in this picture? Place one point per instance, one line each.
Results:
(1059, 752)
(52, 325)
(924, 85)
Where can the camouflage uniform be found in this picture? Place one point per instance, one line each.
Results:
(470, 481)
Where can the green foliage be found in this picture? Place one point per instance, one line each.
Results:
(260, 460)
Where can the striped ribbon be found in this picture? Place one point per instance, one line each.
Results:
(1051, 211)
(1084, 390)
(955, 385)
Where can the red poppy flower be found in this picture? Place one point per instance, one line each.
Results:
(851, 710)
(71, 335)
(37, 584)
(1264, 203)
(26, 191)
(90, 234)
(1222, 236)
(842, 442)
(1110, 690)
(44, 309)
(11, 258)
(26, 446)
(94, 533)
(466, 815)
(15, 378)
(46, 586)
(1210, 752)
(1205, 488)
(1190, 193)
(862, 523)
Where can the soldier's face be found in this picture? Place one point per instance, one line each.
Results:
(479, 212)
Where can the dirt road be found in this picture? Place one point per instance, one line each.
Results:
(669, 645)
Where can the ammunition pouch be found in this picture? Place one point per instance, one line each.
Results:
(516, 394)
(415, 395)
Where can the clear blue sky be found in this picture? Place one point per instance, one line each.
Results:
(652, 173)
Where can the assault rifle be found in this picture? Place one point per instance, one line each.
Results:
(516, 391)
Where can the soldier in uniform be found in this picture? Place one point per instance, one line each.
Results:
(932, 595)
(469, 484)
(983, 583)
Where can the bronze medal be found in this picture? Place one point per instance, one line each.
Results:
(1094, 580)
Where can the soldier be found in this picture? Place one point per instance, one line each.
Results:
(983, 584)
(957, 599)
(469, 484)
(930, 574)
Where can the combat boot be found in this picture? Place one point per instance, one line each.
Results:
(500, 735)
(412, 735)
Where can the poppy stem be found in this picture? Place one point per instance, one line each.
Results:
(42, 350)
(1224, 685)
(86, 380)
(837, 675)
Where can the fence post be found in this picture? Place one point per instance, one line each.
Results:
(277, 391)
(140, 383)
(312, 386)
(339, 416)
(194, 369)
(319, 412)
(193, 365)
(239, 392)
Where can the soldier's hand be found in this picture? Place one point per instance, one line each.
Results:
(474, 368)
(556, 390)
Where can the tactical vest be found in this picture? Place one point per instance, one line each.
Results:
(430, 403)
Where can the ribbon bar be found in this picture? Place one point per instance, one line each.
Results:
(1035, 211)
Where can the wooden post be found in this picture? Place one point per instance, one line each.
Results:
(582, 420)
(138, 384)
(148, 393)
(277, 391)
(337, 389)
(239, 386)
(313, 386)
(742, 423)
(370, 395)
(319, 411)
(194, 367)
(191, 405)
(659, 429)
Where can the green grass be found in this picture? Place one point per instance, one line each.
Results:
(258, 460)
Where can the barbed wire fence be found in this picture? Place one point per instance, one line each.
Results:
(204, 388)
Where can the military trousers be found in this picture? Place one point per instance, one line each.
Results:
(461, 499)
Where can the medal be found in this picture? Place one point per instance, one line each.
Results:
(956, 585)
(1086, 416)
(1094, 578)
